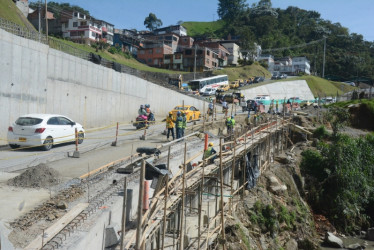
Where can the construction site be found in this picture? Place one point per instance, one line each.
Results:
(163, 198)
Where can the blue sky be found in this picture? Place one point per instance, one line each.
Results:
(357, 15)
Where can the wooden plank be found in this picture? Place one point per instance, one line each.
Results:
(53, 230)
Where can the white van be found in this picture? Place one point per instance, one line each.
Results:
(210, 87)
(210, 91)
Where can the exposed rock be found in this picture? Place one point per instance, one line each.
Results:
(370, 234)
(333, 241)
(275, 186)
(51, 217)
(355, 246)
(61, 205)
(291, 245)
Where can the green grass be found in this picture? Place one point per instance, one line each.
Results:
(10, 12)
(243, 72)
(201, 28)
(322, 87)
(133, 63)
(366, 102)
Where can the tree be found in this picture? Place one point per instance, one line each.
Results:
(230, 9)
(151, 22)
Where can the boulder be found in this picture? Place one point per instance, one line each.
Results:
(61, 205)
(291, 245)
(370, 234)
(333, 241)
(275, 186)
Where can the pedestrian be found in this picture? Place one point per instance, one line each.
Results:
(170, 126)
(184, 124)
(255, 105)
(209, 152)
(277, 106)
(179, 125)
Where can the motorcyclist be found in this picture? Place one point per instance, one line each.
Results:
(142, 111)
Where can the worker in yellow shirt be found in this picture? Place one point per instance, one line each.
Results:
(170, 124)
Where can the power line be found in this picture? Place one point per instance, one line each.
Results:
(295, 46)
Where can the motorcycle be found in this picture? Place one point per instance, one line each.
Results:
(144, 121)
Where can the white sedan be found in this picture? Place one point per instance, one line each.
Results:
(43, 130)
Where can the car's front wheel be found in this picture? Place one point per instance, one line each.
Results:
(13, 146)
(80, 137)
(48, 143)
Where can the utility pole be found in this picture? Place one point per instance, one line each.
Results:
(46, 20)
(39, 19)
(194, 65)
(324, 56)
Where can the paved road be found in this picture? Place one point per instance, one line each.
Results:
(13, 160)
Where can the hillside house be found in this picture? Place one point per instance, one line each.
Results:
(81, 28)
(234, 52)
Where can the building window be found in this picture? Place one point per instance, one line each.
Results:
(178, 56)
(75, 14)
(141, 52)
(84, 23)
(188, 52)
(208, 52)
(150, 51)
(75, 24)
(207, 61)
(149, 60)
(158, 50)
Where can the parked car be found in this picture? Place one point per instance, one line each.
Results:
(350, 83)
(210, 91)
(258, 79)
(283, 76)
(262, 99)
(224, 87)
(276, 76)
(192, 113)
(234, 84)
(43, 130)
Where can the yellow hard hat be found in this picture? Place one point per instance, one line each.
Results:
(211, 144)
(170, 113)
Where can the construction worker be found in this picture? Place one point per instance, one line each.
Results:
(232, 125)
(225, 107)
(184, 124)
(170, 125)
(209, 152)
(228, 124)
(210, 108)
(179, 125)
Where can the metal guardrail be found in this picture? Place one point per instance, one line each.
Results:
(22, 31)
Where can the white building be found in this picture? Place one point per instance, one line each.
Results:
(176, 29)
(300, 64)
(85, 29)
(234, 50)
(269, 59)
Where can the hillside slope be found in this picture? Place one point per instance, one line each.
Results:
(10, 12)
(244, 72)
(195, 29)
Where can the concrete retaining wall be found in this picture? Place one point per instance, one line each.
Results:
(281, 90)
(37, 79)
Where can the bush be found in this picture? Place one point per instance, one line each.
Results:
(321, 133)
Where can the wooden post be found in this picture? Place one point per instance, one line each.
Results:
(140, 206)
(200, 206)
(166, 200)
(204, 115)
(123, 222)
(221, 186)
(232, 176)
(181, 240)
(245, 165)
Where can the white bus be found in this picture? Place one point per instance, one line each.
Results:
(201, 84)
